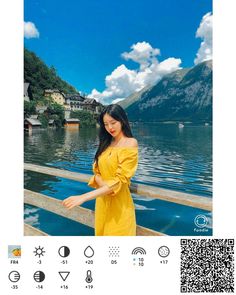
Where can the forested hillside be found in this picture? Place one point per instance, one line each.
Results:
(41, 77)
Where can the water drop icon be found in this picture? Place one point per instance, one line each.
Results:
(89, 252)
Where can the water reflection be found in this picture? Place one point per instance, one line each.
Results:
(174, 159)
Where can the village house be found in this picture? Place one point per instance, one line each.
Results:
(91, 105)
(41, 109)
(72, 124)
(74, 102)
(56, 95)
(32, 123)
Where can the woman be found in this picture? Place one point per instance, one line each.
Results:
(115, 163)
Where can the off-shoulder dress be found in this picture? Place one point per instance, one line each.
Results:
(115, 213)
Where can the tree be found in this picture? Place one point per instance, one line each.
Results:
(56, 111)
(41, 77)
(43, 118)
(86, 118)
(53, 70)
(29, 108)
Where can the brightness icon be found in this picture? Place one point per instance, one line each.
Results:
(39, 251)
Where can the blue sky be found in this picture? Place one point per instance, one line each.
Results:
(85, 40)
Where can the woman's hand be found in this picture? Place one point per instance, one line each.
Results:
(73, 201)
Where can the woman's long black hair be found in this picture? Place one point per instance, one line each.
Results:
(105, 138)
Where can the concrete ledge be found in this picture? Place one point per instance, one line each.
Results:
(32, 231)
(195, 201)
(78, 214)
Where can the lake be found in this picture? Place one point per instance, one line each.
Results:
(170, 157)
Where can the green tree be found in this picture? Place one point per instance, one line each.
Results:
(43, 118)
(56, 111)
(41, 77)
(29, 108)
(86, 118)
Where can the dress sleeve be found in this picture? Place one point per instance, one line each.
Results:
(127, 165)
(92, 181)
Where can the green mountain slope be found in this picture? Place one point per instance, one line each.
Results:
(41, 77)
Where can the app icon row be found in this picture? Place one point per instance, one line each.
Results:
(14, 251)
(39, 276)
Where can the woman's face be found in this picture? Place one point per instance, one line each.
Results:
(112, 125)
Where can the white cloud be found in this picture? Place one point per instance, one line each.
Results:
(205, 33)
(122, 81)
(142, 53)
(30, 30)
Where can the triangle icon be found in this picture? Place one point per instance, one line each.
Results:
(64, 274)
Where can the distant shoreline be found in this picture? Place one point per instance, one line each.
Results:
(173, 122)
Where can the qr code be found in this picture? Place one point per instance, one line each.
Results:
(207, 265)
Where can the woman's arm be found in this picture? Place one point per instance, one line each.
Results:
(73, 201)
(99, 180)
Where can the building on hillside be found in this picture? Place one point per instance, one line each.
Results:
(41, 109)
(27, 92)
(56, 95)
(74, 102)
(91, 105)
(34, 117)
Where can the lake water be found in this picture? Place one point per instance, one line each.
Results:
(169, 157)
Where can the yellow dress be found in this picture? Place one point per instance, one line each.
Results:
(115, 213)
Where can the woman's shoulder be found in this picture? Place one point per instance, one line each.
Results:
(130, 142)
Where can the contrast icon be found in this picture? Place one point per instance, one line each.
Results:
(14, 276)
(39, 251)
(39, 276)
(89, 278)
(89, 252)
(64, 275)
(138, 250)
(64, 251)
(164, 251)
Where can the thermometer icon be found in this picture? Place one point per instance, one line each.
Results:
(89, 278)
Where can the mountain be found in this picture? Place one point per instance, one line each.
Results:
(132, 98)
(184, 95)
(41, 77)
